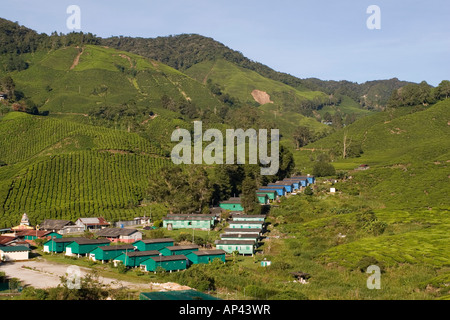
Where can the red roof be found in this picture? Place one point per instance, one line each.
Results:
(5, 240)
(38, 233)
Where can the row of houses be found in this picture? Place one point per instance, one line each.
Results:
(65, 227)
(243, 234)
(235, 238)
(15, 242)
(148, 255)
(245, 231)
(271, 192)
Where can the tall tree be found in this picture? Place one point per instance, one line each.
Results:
(200, 187)
(302, 136)
(327, 117)
(442, 91)
(8, 85)
(337, 120)
(249, 199)
(287, 163)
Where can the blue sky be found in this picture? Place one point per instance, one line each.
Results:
(328, 40)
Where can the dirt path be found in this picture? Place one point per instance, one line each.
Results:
(44, 274)
(150, 118)
(77, 59)
(205, 79)
(128, 58)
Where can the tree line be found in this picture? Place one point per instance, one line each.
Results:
(419, 94)
(195, 188)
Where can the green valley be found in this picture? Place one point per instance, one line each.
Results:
(85, 131)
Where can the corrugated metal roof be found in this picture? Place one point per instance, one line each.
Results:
(237, 215)
(246, 222)
(240, 235)
(208, 252)
(230, 242)
(183, 218)
(119, 247)
(6, 239)
(115, 232)
(14, 249)
(169, 258)
(93, 221)
(143, 253)
(160, 240)
(238, 230)
(187, 247)
(54, 224)
(91, 241)
(63, 240)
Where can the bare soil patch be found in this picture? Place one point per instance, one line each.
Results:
(77, 59)
(44, 274)
(261, 97)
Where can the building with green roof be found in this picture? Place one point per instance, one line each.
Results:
(58, 245)
(205, 256)
(242, 246)
(240, 236)
(249, 217)
(167, 263)
(14, 253)
(232, 204)
(272, 194)
(83, 246)
(178, 250)
(189, 221)
(133, 259)
(246, 224)
(263, 198)
(106, 253)
(153, 244)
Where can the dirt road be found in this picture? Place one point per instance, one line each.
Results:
(44, 274)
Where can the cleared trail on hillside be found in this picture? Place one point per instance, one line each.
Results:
(77, 59)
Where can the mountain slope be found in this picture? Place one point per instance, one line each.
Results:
(407, 149)
(62, 169)
(186, 50)
(279, 103)
(240, 82)
(77, 79)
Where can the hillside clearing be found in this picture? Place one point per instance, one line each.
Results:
(261, 97)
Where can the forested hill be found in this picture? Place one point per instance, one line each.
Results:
(184, 51)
